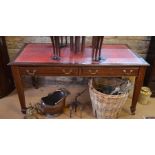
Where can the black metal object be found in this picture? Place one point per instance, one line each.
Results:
(54, 98)
(76, 103)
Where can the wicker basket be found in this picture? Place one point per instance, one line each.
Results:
(104, 105)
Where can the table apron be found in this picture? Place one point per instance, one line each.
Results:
(79, 71)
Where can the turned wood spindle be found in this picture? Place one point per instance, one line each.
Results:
(56, 47)
(97, 42)
(77, 43)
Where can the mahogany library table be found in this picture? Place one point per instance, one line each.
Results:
(35, 59)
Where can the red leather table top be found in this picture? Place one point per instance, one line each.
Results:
(40, 53)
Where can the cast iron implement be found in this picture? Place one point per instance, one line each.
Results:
(76, 103)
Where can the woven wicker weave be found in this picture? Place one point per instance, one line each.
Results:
(106, 106)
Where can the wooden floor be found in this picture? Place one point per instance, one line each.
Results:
(10, 109)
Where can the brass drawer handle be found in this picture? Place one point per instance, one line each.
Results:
(93, 72)
(31, 73)
(67, 72)
(127, 73)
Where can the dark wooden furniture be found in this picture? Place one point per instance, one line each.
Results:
(150, 72)
(36, 59)
(6, 80)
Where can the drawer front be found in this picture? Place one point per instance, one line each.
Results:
(109, 71)
(55, 71)
(91, 71)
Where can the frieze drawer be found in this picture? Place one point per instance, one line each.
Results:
(57, 71)
(109, 71)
